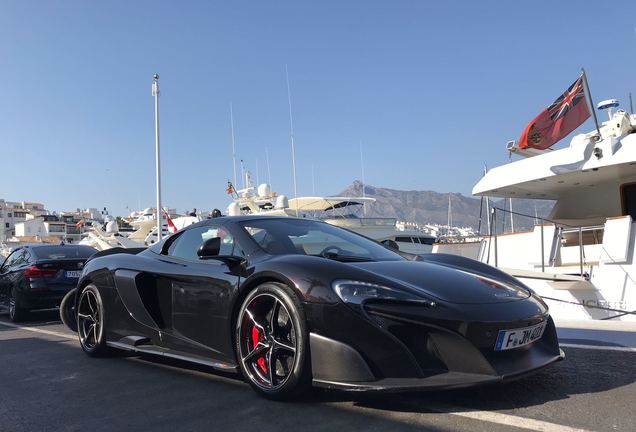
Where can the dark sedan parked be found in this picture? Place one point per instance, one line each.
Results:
(291, 302)
(39, 276)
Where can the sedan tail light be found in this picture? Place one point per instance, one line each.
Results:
(34, 272)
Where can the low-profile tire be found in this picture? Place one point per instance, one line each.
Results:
(68, 315)
(271, 330)
(91, 322)
(17, 313)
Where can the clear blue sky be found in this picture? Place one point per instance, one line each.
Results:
(432, 89)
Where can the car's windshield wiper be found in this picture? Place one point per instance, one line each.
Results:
(344, 258)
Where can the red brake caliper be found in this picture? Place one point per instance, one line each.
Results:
(256, 338)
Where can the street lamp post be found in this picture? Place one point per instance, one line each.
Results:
(155, 93)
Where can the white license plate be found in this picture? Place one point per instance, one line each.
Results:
(73, 274)
(515, 338)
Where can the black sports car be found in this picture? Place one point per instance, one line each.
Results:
(293, 302)
(39, 276)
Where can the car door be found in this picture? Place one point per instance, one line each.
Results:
(202, 289)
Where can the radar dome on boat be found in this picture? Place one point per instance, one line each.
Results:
(264, 190)
(281, 202)
(609, 103)
(112, 228)
(234, 209)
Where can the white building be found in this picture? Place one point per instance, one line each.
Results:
(13, 212)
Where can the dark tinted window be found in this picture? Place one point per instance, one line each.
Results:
(308, 237)
(62, 252)
(11, 259)
(187, 244)
(628, 193)
(404, 239)
(427, 240)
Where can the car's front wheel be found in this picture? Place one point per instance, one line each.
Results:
(90, 322)
(272, 343)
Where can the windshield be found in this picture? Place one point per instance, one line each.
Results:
(309, 237)
(63, 252)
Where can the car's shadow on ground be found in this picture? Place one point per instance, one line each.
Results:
(36, 318)
(583, 372)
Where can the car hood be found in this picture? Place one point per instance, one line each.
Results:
(449, 284)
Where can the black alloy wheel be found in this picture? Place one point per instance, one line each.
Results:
(272, 342)
(90, 322)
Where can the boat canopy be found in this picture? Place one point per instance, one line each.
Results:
(326, 203)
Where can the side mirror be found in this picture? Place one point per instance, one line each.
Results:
(390, 244)
(210, 248)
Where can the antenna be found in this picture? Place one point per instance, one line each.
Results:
(291, 133)
(257, 181)
(233, 148)
(631, 105)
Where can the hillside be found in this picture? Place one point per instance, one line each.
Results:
(432, 207)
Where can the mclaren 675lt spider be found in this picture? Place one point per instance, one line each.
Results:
(291, 303)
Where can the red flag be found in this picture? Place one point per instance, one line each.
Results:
(230, 188)
(565, 114)
(171, 226)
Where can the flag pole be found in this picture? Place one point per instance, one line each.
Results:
(155, 93)
(588, 96)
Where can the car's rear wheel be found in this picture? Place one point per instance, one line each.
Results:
(17, 313)
(272, 343)
(68, 315)
(90, 322)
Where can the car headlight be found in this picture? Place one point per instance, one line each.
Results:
(357, 292)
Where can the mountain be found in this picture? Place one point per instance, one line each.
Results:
(432, 207)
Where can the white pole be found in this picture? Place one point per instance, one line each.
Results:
(364, 194)
(487, 203)
(269, 173)
(155, 93)
(512, 221)
(242, 174)
(291, 132)
(233, 147)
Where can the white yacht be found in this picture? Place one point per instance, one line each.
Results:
(580, 258)
(340, 211)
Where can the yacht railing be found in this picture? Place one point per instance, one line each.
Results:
(563, 232)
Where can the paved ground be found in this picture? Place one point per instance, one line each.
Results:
(48, 384)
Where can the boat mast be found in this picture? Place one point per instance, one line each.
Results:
(155, 93)
(291, 133)
(242, 174)
(233, 147)
(364, 194)
(269, 173)
(450, 214)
